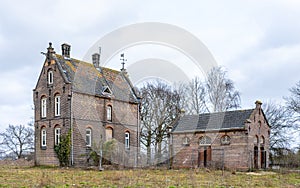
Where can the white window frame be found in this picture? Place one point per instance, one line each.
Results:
(44, 137)
(44, 107)
(56, 136)
(109, 113)
(88, 137)
(57, 105)
(50, 77)
(127, 140)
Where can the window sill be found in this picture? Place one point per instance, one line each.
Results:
(43, 147)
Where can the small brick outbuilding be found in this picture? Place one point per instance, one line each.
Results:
(233, 140)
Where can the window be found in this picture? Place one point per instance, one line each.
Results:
(44, 107)
(127, 140)
(204, 140)
(88, 137)
(108, 113)
(185, 141)
(256, 140)
(56, 136)
(43, 137)
(262, 140)
(109, 133)
(57, 105)
(50, 77)
(225, 140)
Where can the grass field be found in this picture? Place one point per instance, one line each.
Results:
(57, 177)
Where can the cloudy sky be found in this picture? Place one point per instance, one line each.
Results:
(258, 42)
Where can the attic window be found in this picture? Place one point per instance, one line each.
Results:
(50, 77)
(106, 90)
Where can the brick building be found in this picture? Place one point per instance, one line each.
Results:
(96, 103)
(234, 140)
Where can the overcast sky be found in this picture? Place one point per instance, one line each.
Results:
(258, 42)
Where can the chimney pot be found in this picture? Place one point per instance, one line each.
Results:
(258, 104)
(96, 60)
(66, 48)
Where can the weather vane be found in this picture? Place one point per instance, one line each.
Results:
(123, 61)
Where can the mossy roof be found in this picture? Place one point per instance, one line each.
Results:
(85, 78)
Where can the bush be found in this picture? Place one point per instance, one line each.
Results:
(63, 149)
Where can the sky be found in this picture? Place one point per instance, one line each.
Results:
(257, 42)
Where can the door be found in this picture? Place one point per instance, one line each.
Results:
(262, 157)
(255, 157)
(204, 156)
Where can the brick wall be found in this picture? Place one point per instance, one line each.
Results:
(47, 156)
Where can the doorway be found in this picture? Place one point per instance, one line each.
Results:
(204, 156)
(256, 157)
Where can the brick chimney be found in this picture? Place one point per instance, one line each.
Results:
(258, 104)
(65, 48)
(96, 60)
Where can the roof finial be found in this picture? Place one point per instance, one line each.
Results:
(123, 62)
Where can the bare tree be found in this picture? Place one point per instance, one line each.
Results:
(220, 90)
(17, 139)
(195, 94)
(279, 120)
(293, 101)
(216, 94)
(160, 107)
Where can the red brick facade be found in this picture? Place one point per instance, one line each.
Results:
(81, 109)
(242, 148)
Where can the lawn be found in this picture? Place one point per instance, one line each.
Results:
(73, 177)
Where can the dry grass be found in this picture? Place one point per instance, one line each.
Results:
(13, 176)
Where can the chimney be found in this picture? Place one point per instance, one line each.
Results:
(65, 48)
(96, 60)
(258, 104)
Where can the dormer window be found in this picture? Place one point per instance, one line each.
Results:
(50, 77)
(106, 90)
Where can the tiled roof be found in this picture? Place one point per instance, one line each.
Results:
(85, 78)
(213, 121)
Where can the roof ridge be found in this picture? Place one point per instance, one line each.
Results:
(87, 63)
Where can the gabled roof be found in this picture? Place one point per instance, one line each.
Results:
(85, 78)
(213, 121)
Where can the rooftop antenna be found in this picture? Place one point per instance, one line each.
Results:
(123, 61)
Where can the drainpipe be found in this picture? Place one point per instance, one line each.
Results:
(71, 126)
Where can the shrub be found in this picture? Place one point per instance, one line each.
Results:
(63, 149)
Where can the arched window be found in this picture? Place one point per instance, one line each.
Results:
(88, 137)
(127, 140)
(50, 77)
(262, 140)
(256, 139)
(109, 113)
(205, 140)
(109, 133)
(43, 137)
(56, 135)
(44, 107)
(57, 105)
(225, 140)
